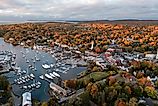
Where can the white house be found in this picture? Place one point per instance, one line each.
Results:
(150, 56)
(26, 99)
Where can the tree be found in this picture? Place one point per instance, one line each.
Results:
(70, 83)
(4, 83)
(120, 102)
(44, 104)
(127, 90)
(133, 102)
(94, 90)
(151, 92)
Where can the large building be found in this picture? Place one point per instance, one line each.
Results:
(157, 54)
(26, 99)
(58, 89)
(150, 56)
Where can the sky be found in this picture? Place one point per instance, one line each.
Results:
(14, 10)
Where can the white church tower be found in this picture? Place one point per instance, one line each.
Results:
(92, 45)
(157, 54)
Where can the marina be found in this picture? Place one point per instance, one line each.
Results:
(33, 70)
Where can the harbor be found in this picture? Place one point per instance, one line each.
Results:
(30, 70)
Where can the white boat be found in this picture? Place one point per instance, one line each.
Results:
(32, 75)
(41, 77)
(29, 86)
(27, 61)
(64, 68)
(28, 76)
(34, 61)
(32, 85)
(19, 82)
(23, 77)
(18, 74)
(56, 74)
(14, 55)
(18, 69)
(37, 59)
(30, 65)
(35, 69)
(62, 64)
(51, 74)
(15, 80)
(48, 76)
(58, 70)
(38, 86)
(39, 83)
(32, 68)
(45, 66)
(24, 87)
(23, 55)
(52, 65)
(65, 72)
(27, 80)
(24, 71)
(23, 81)
(73, 66)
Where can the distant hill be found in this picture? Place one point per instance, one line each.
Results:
(122, 21)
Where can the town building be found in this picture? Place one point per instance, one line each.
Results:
(150, 56)
(26, 99)
(58, 89)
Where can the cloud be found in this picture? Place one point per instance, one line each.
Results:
(77, 9)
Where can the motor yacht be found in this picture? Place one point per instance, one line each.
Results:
(41, 77)
(52, 75)
(45, 66)
(56, 74)
(48, 76)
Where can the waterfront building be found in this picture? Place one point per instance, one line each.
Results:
(58, 89)
(26, 99)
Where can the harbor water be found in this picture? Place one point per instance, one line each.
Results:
(41, 93)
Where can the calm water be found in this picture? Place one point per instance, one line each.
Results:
(42, 93)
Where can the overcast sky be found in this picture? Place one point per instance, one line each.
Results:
(77, 9)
